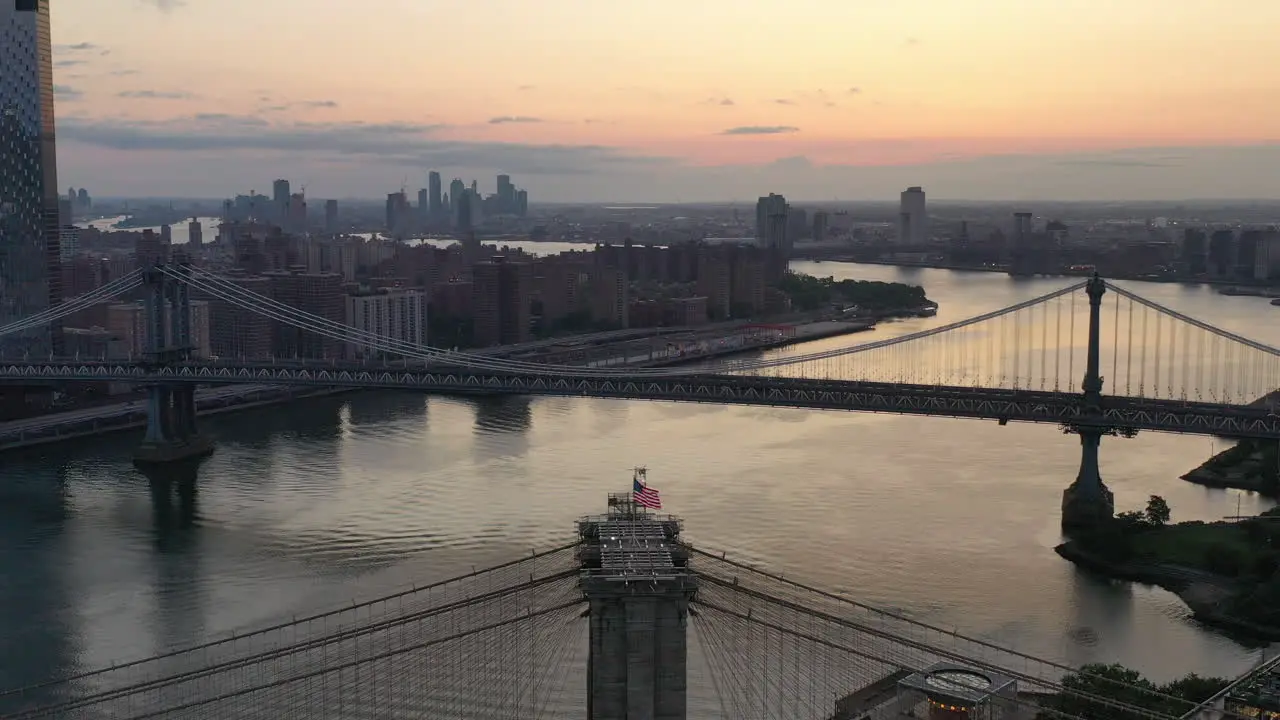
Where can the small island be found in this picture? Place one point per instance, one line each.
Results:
(868, 298)
(1227, 572)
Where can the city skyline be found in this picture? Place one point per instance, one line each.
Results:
(827, 101)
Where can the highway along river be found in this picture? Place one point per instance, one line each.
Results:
(308, 506)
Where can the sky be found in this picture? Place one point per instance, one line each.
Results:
(673, 100)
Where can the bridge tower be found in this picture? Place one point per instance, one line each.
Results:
(1088, 502)
(171, 434)
(637, 582)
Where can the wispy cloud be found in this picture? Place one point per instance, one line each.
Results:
(66, 93)
(76, 47)
(525, 87)
(123, 73)
(156, 95)
(319, 103)
(504, 119)
(399, 143)
(855, 90)
(783, 101)
(68, 63)
(720, 101)
(165, 5)
(760, 130)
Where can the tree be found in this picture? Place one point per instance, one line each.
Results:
(1120, 684)
(1158, 512)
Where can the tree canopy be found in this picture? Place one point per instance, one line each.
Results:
(1118, 683)
(811, 293)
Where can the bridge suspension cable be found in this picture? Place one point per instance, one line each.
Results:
(246, 299)
(108, 291)
(752, 600)
(491, 644)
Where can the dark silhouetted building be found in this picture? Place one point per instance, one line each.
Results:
(501, 295)
(30, 276)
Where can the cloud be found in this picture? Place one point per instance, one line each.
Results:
(65, 93)
(525, 87)
(123, 73)
(760, 130)
(910, 42)
(76, 47)
(784, 101)
(68, 63)
(722, 102)
(513, 119)
(155, 95)
(391, 143)
(319, 103)
(165, 5)
(855, 91)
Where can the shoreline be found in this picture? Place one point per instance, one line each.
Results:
(1203, 593)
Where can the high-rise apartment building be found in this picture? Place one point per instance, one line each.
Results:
(315, 293)
(195, 233)
(501, 295)
(913, 220)
(30, 278)
(772, 224)
(398, 315)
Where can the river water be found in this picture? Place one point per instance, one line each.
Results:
(308, 506)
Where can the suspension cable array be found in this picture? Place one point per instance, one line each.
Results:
(1038, 345)
(110, 290)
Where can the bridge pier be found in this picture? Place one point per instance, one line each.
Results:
(638, 587)
(1087, 502)
(172, 435)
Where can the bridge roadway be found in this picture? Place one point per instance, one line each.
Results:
(1059, 408)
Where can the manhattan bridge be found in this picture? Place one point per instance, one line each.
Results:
(629, 620)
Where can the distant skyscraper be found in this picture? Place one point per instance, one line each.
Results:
(506, 196)
(456, 188)
(195, 233)
(31, 275)
(913, 220)
(280, 200)
(433, 191)
(331, 216)
(772, 223)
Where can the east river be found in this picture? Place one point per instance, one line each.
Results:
(305, 507)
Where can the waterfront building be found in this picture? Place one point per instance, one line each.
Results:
(30, 229)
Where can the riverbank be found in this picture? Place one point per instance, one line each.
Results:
(1226, 573)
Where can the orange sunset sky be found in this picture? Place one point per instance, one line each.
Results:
(668, 100)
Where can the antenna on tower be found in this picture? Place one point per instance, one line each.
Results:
(404, 183)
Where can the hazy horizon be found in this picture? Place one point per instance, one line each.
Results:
(990, 100)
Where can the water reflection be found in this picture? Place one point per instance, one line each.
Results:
(178, 594)
(37, 637)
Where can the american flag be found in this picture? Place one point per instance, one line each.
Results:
(644, 495)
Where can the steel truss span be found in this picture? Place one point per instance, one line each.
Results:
(1115, 414)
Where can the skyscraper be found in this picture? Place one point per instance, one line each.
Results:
(31, 277)
(433, 189)
(913, 219)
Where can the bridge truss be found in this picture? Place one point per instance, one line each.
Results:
(1156, 368)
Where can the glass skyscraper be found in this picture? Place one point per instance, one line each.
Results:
(30, 270)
